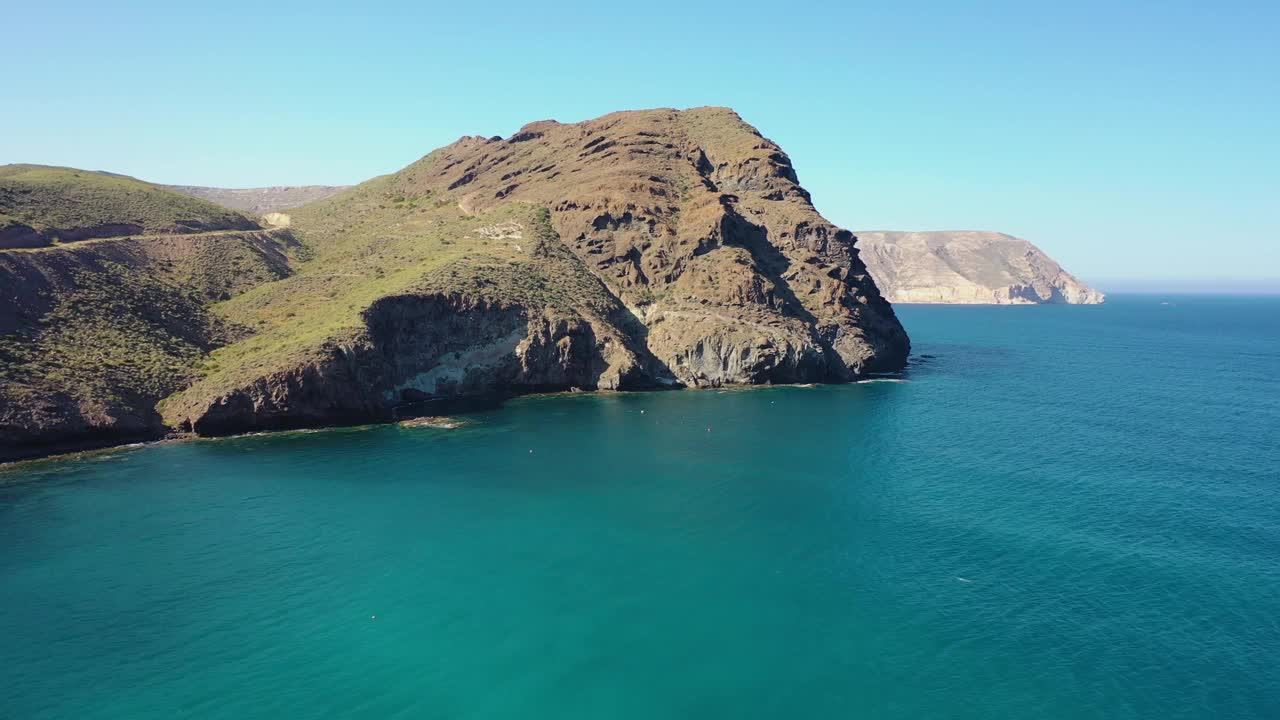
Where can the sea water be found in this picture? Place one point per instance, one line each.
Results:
(1065, 512)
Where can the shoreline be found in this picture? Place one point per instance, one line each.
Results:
(461, 405)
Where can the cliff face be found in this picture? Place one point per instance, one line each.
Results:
(699, 225)
(644, 249)
(419, 347)
(975, 268)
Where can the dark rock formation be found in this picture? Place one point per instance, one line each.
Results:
(417, 347)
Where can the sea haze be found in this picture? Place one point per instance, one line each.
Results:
(1067, 511)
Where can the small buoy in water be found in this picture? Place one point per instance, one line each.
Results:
(530, 451)
(641, 412)
(373, 617)
(708, 429)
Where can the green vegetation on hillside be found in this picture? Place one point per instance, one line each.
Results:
(116, 339)
(143, 330)
(375, 241)
(53, 199)
(111, 326)
(94, 333)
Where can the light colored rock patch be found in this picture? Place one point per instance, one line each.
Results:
(510, 230)
(277, 219)
(454, 367)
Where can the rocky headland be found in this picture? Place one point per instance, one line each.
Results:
(643, 249)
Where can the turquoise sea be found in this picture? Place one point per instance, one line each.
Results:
(1065, 512)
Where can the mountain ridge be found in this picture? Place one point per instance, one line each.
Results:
(261, 200)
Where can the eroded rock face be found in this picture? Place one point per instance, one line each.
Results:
(969, 268)
(698, 224)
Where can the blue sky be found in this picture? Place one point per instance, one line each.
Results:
(1138, 143)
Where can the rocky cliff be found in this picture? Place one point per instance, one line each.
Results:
(962, 267)
(643, 249)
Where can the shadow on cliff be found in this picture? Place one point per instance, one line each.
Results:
(774, 265)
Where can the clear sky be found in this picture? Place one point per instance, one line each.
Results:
(1136, 142)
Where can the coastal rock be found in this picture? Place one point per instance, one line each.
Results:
(93, 335)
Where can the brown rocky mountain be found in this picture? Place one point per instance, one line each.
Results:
(643, 249)
(263, 200)
(967, 267)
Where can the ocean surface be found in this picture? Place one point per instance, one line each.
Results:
(1064, 512)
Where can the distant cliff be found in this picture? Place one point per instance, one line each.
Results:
(263, 200)
(968, 268)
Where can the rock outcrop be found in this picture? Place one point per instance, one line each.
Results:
(699, 225)
(964, 267)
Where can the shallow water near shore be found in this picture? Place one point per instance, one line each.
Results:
(1066, 512)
